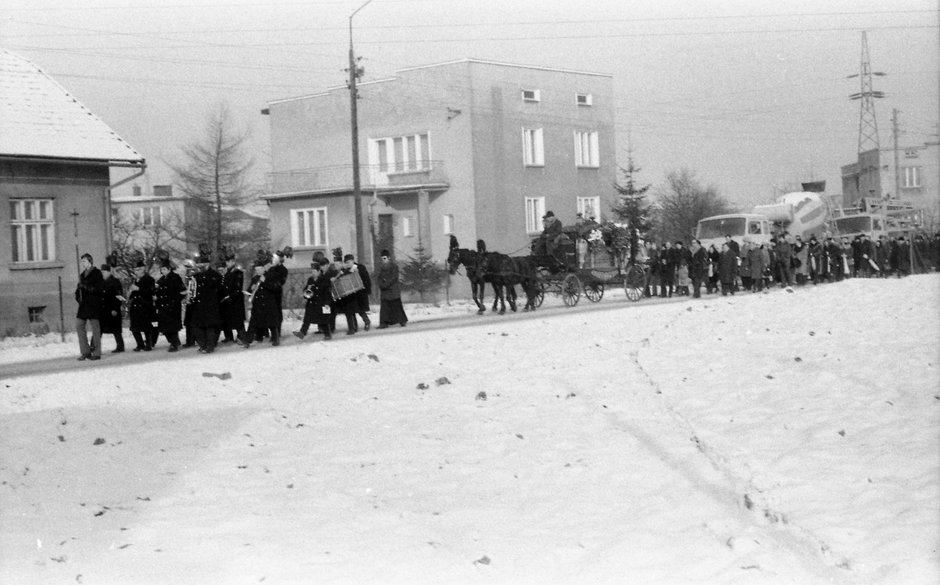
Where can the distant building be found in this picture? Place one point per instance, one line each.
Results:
(915, 179)
(55, 182)
(177, 223)
(477, 149)
(159, 219)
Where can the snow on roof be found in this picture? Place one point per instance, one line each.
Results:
(39, 118)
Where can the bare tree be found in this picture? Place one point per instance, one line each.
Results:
(133, 240)
(216, 172)
(682, 201)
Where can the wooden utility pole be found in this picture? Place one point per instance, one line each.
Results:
(354, 72)
(897, 167)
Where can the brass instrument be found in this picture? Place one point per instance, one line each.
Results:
(254, 289)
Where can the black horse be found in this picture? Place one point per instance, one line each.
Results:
(472, 261)
(507, 271)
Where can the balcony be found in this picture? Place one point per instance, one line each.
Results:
(372, 178)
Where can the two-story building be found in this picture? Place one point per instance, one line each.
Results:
(912, 175)
(55, 181)
(159, 219)
(477, 149)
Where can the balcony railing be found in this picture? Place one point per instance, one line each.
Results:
(371, 177)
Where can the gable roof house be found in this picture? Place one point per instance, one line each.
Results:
(477, 149)
(55, 182)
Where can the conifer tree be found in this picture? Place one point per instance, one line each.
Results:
(421, 274)
(630, 206)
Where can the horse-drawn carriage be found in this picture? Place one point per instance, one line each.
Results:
(573, 268)
(585, 265)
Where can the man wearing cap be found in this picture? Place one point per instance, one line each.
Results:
(168, 301)
(112, 298)
(204, 304)
(358, 302)
(232, 303)
(279, 271)
(140, 307)
(391, 310)
(318, 294)
(88, 294)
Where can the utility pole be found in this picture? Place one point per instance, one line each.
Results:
(897, 168)
(354, 73)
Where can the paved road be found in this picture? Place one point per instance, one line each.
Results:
(109, 360)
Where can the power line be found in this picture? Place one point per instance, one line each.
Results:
(502, 24)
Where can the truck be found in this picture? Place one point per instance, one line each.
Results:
(809, 213)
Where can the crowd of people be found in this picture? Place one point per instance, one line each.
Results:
(785, 260)
(212, 304)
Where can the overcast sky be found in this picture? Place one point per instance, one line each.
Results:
(752, 95)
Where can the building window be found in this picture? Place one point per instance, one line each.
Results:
(407, 230)
(36, 314)
(401, 154)
(533, 148)
(586, 149)
(448, 224)
(911, 177)
(308, 227)
(151, 216)
(531, 95)
(590, 207)
(32, 230)
(584, 99)
(534, 210)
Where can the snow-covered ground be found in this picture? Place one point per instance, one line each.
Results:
(769, 438)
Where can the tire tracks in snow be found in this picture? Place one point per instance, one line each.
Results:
(726, 480)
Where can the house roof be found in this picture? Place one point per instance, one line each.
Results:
(40, 118)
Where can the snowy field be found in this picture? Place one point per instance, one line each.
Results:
(755, 439)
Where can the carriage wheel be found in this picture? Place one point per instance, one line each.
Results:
(539, 293)
(633, 282)
(594, 291)
(571, 290)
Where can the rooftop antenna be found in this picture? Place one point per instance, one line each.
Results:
(867, 123)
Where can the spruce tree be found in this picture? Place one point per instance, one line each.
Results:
(421, 274)
(631, 207)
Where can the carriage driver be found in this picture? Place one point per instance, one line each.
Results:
(551, 233)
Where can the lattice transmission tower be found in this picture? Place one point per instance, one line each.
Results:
(867, 122)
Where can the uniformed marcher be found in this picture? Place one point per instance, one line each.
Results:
(112, 300)
(264, 291)
(169, 304)
(204, 303)
(232, 301)
(140, 308)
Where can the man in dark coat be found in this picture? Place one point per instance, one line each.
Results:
(232, 302)
(727, 269)
(112, 299)
(698, 268)
(901, 257)
(88, 295)
(264, 291)
(140, 307)
(279, 271)
(169, 304)
(358, 302)
(204, 303)
(668, 264)
(391, 310)
(319, 294)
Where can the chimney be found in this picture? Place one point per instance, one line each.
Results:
(136, 190)
(163, 190)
